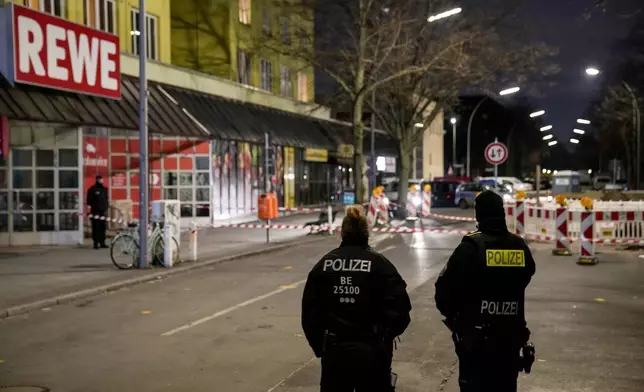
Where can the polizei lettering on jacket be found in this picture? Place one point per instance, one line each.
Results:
(500, 308)
(347, 265)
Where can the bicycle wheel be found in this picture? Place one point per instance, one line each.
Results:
(158, 249)
(123, 251)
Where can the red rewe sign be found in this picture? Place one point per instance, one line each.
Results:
(51, 52)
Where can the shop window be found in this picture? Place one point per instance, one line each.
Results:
(244, 67)
(286, 85)
(151, 34)
(266, 81)
(45, 158)
(22, 158)
(202, 163)
(45, 200)
(302, 87)
(53, 7)
(44, 179)
(68, 179)
(67, 158)
(244, 11)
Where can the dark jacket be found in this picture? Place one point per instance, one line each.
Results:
(484, 281)
(98, 198)
(356, 294)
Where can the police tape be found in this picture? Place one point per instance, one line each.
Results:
(451, 217)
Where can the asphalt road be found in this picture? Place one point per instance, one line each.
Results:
(235, 327)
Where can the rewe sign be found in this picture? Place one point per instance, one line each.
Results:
(43, 50)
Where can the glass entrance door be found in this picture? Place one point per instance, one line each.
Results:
(45, 205)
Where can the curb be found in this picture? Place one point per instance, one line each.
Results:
(107, 288)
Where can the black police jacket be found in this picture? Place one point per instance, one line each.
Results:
(484, 282)
(98, 199)
(356, 294)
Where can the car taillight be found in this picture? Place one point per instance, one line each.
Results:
(449, 197)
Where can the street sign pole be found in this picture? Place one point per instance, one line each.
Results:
(143, 143)
(496, 167)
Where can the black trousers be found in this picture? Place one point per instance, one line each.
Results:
(99, 227)
(488, 370)
(356, 367)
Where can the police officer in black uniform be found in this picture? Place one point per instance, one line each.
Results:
(98, 202)
(481, 292)
(355, 304)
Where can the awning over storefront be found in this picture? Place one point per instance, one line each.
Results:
(235, 120)
(30, 103)
(342, 135)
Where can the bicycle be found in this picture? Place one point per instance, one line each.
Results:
(127, 243)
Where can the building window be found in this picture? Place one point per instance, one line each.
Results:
(302, 87)
(244, 11)
(54, 7)
(101, 14)
(151, 34)
(243, 67)
(284, 32)
(286, 85)
(266, 82)
(266, 21)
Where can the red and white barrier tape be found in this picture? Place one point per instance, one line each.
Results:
(450, 217)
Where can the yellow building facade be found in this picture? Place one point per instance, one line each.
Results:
(116, 17)
(225, 38)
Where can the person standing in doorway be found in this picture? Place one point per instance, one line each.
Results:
(98, 202)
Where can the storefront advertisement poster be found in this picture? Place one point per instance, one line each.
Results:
(289, 177)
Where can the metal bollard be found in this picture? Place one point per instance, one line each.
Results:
(329, 212)
(192, 241)
(168, 245)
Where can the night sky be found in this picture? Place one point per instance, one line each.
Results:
(583, 38)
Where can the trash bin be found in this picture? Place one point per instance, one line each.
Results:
(267, 206)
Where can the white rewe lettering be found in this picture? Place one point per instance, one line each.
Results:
(108, 66)
(83, 56)
(31, 41)
(56, 53)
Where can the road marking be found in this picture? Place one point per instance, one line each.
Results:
(232, 308)
(285, 379)
(600, 300)
(287, 268)
(146, 312)
(390, 247)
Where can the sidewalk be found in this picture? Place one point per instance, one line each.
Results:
(587, 325)
(32, 274)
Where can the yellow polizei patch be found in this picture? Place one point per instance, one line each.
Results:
(505, 258)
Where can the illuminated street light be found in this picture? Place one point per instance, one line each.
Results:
(579, 131)
(453, 120)
(582, 121)
(548, 137)
(537, 114)
(445, 14)
(546, 128)
(419, 125)
(592, 71)
(552, 143)
(590, 171)
(544, 171)
(509, 91)
(574, 141)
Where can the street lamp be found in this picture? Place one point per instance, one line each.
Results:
(509, 91)
(546, 128)
(445, 14)
(548, 137)
(552, 143)
(636, 122)
(582, 121)
(579, 131)
(574, 141)
(506, 91)
(453, 121)
(537, 113)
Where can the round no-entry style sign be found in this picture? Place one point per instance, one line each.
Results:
(496, 153)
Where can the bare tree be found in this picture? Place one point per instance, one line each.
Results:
(467, 53)
(362, 45)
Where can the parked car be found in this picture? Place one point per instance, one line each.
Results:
(514, 183)
(466, 193)
(392, 191)
(619, 185)
(600, 182)
(444, 192)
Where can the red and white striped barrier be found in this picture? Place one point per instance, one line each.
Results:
(372, 212)
(587, 243)
(411, 206)
(562, 244)
(383, 210)
(520, 223)
(427, 203)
